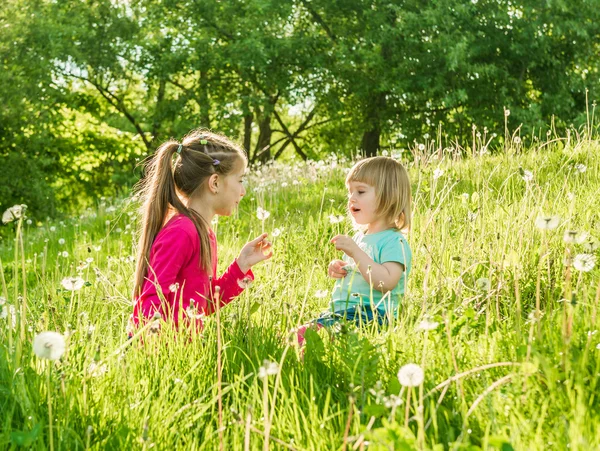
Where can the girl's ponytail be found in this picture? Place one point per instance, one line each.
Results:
(166, 180)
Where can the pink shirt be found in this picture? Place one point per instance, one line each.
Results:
(175, 271)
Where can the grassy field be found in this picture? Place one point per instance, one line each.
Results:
(500, 313)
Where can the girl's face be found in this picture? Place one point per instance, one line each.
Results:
(232, 190)
(362, 202)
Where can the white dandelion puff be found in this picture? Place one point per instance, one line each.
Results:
(546, 222)
(262, 214)
(526, 175)
(483, 284)
(591, 244)
(13, 213)
(61, 241)
(321, 293)
(517, 140)
(333, 219)
(72, 283)
(427, 325)
(411, 375)
(421, 147)
(268, 369)
(581, 168)
(96, 370)
(53, 228)
(438, 173)
(49, 345)
(64, 254)
(276, 232)
(506, 112)
(574, 237)
(174, 287)
(584, 262)
(245, 282)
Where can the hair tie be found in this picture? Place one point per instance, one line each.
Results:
(216, 162)
(179, 148)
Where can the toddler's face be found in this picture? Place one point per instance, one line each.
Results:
(362, 202)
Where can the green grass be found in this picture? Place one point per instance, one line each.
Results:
(497, 374)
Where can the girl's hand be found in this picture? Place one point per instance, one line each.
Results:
(254, 252)
(336, 270)
(345, 244)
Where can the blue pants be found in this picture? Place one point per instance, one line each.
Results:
(361, 315)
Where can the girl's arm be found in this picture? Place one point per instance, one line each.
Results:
(384, 277)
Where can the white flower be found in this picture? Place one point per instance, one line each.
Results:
(333, 219)
(544, 222)
(591, 245)
(321, 293)
(245, 282)
(193, 312)
(421, 147)
(427, 325)
(275, 233)
(483, 284)
(49, 345)
(52, 228)
(14, 212)
(584, 262)
(64, 254)
(438, 173)
(29, 222)
(526, 175)
(575, 237)
(268, 369)
(72, 283)
(411, 375)
(262, 214)
(580, 168)
(96, 370)
(61, 241)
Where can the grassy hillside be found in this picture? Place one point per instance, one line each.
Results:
(500, 314)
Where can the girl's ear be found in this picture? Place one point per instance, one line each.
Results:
(213, 183)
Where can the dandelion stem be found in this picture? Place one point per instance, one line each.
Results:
(50, 434)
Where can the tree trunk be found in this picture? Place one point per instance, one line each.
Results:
(370, 141)
(248, 131)
(263, 146)
(204, 101)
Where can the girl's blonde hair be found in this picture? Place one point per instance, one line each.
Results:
(392, 188)
(176, 171)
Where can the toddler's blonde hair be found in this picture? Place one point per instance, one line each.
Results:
(392, 188)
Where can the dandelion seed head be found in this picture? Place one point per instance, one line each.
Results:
(72, 283)
(427, 325)
(13, 213)
(547, 222)
(584, 262)
(321, 293)
(437, 173)
(262, 214)
(411, 375)
(49, 345)
(483, 284)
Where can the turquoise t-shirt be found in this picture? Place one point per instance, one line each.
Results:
(353, 290)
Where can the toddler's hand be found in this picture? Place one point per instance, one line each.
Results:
(336, 269)
(345, 244)
(254, 252)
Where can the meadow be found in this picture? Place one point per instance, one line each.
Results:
(500, 314)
